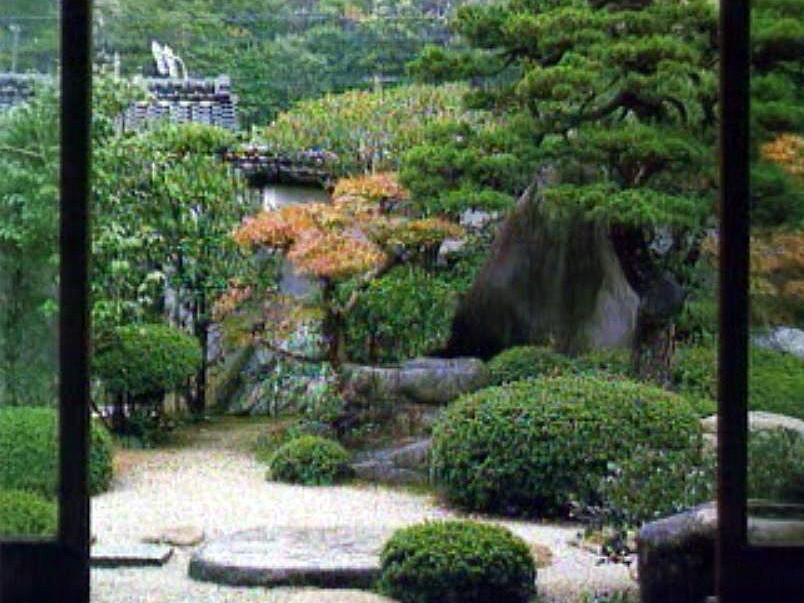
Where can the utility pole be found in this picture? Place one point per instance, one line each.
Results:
(15, 30)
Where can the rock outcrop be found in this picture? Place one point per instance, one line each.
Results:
(422, 381)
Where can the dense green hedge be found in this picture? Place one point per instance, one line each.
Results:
(29, 452)
(649, 484)
(524, 362)
(534, 447)
(26, 514)
(310, 461)
(457, 562)
(144, 360)
(404, 314)
(776, 380)
(529, 362)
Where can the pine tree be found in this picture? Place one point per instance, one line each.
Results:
(621, 97)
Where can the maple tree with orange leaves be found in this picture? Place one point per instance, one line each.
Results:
(359, 235)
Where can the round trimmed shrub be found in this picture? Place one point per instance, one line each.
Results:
(26, 514)
(29, 452)
(526, 362)
(146, 360)
(311, 461)
(536, 447)
(457, 562)
(775, 384)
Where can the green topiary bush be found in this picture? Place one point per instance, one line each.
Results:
(776, 466)
(29, 452)
(457, 562)
(310, 461)
(525, 362)
(25, 514)
(776, 380)
(146, 360)
(535, 447)
(404, 314)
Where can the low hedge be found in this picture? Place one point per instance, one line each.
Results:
(531, 362)
(537, 447)
(25, 514)
(457, 562)
(146, 360)
(525, 362)
(649, 484)
(29, 452)
(311, 461)
(776, 380)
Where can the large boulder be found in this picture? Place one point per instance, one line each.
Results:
(677, 554)
(402, 464)
(547, 279)
(421, 381)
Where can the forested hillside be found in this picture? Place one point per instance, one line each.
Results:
(276, 52)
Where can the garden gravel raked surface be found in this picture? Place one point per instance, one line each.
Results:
(215, 483)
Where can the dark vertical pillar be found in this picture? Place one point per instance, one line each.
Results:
(734, 259)
(76, 92)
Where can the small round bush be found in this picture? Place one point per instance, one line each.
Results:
(457, 562)
(29, 452)
(526, 362)
(775, 384)
(146, 360)
(535, 447)
(26, 514)
(311, 461)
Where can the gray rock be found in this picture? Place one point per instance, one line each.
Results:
(424, 381)
(546, 279)
(324, 557)
(477, 219)
(405, 464)
(783, 339)
(760, 421)
(450, 248)
(677, 554)
(129, 555)
(182, 536)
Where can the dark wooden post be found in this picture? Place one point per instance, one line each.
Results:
(76, 115)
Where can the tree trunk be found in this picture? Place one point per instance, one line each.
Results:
(118, 414)
(333, 328)
(201, 329)
(661, 300)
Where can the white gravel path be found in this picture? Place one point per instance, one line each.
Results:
(224, 490)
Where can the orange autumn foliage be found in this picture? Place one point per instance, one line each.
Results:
(352, 235)
(787, 150)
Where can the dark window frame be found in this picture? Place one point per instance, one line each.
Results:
(58, 570)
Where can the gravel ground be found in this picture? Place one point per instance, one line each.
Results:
(222, 489)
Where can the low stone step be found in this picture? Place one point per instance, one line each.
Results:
(342, 557)
(129, 555)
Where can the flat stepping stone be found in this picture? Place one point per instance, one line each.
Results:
(342, 557)
(184, 536)
(130, 555)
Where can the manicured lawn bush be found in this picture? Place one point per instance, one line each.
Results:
(29, 452)
(649, 484)
(776, 380)
(525, 362)
(146, 360)
(457, 562)
(310, 461)
(534, 447)
(26, 514)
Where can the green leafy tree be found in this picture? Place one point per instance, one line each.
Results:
(29, 155)
(165, 210)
